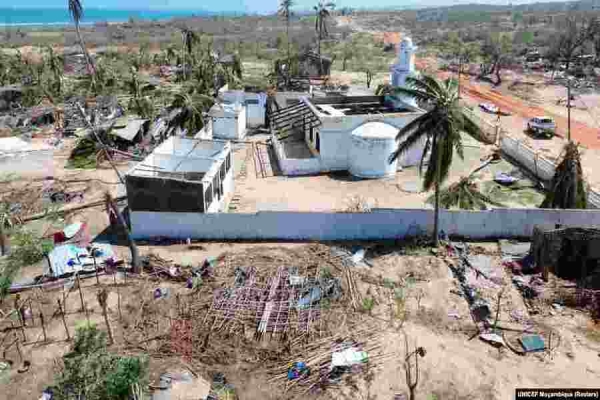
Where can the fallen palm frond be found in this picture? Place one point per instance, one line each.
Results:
(567, 189)
(464, 195)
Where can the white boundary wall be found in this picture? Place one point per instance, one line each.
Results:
(539, 166)
(379, 224)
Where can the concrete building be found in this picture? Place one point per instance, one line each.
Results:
(228, 121)
(254, 102)
(182, 175)
(355, 133)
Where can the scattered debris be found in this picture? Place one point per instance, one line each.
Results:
(70, 258)
(298, 370)
(532, 343)
(492, 338)
(161, 293)
(505, 179)
(530, 286)
(181, 386)
(348, 357)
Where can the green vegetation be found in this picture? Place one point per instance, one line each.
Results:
(89, 371)
(368, 304)
(27, 248)
(464, 195)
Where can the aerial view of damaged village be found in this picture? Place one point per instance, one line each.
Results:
(299, 199)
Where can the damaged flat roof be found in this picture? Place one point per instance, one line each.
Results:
(336, 106)
(181, 158)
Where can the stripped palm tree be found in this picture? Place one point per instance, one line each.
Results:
(567, 189)
(115, 213)
(188, 39)
(440, 129)
(76, 11)
(285, 11)
(323, 11)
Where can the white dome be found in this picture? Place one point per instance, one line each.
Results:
(376, 130)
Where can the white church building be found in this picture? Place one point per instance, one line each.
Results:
(354, 133)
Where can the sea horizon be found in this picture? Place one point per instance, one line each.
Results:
(57, 17)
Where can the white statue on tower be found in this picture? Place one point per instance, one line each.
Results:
(404, 67)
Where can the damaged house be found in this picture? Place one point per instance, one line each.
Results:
(182, 175)
(354, 133)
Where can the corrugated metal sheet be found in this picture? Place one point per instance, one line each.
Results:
(133, 128)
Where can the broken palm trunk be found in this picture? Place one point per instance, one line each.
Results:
(114, 211)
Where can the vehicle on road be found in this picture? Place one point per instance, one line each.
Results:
(488, 107)
(541, 127)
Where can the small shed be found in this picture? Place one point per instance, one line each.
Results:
(228, 121)
(568, 252)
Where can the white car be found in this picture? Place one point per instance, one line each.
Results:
(488, 107)
(543, 125)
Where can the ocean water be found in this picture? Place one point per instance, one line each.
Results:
(58, 16)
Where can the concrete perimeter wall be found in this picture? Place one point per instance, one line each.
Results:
(379, 224)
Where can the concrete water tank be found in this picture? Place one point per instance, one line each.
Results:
(370, 148)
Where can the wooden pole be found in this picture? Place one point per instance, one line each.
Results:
(102, 297)
(19, 351)
(31, 310)
(83, 308)
(95, 266)
(62, 314)
(43, 326)
(64, 296)
(569, 110)
(118, 297)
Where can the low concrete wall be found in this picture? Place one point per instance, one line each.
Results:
(294, 166)
(379, 224)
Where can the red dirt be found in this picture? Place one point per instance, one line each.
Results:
(584, 134)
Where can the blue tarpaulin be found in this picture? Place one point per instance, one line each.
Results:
(69, 258)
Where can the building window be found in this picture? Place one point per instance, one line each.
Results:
(216, 187)
(222, 170)
(228, 162)
(208, 196)
(251, 101)
(311, 134)
(318, 142)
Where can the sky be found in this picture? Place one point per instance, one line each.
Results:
(250, 6)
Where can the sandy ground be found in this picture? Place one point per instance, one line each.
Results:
(337, 191)
(434, 317)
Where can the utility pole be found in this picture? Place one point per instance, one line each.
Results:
(569, 110)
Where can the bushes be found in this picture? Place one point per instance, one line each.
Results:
(93, 373)
(26, 249)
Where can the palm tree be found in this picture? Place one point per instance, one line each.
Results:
(285, 11)
(193, 106)
(139, 102)
(440, 127)
(76, 11)
(323, 11)
(188, 39)
(567, 189)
